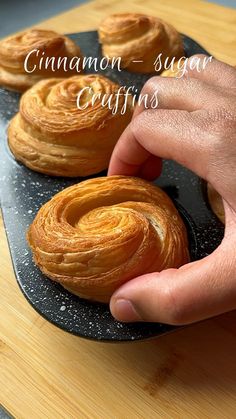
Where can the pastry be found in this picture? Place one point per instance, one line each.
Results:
(19, 49)
(51, 135)
(95, 235)
(136, 37)
(216, 203)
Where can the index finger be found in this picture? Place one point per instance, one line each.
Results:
(169, 134)
(214, 72)
(132, 159)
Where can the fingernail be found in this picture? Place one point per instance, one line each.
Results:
(124, 311)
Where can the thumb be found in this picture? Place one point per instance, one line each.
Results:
(193, 292)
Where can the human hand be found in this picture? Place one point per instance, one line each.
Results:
(195, 125)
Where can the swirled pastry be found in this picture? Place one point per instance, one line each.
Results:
(52, 135)
(15, 49)
(94, 236)
(216, 203)
(137, 37)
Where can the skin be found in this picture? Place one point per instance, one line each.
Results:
(195, 125)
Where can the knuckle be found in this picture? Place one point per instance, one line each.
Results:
(134, 126)
(195, 85)
(175, 311)
(222, 121)
(139, 125)
(196, 59)
(136, 129)
(151, 84)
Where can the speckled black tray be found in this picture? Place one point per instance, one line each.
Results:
(24, 191)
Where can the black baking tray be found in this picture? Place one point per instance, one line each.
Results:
(24, 191)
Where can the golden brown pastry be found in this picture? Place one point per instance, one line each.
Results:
(216, 203)
(51, 135)
(94, 236)
(134, 36)
(15, 49)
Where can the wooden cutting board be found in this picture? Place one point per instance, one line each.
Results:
(47, 373)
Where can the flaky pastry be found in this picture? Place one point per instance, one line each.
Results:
(52, 135)
(95, 235)
(136, 37)
(15, 49)
(216, 203)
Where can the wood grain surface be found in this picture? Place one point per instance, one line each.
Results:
(191, 373)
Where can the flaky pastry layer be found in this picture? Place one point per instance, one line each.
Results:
(138, 37)
(15, 49)
(51, 135)
(94, 236)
